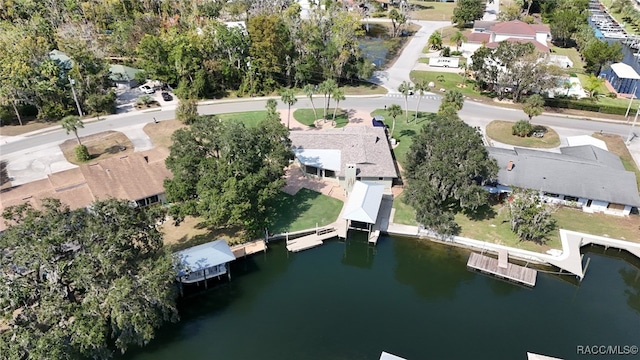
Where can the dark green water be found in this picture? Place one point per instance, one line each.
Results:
(411, 298)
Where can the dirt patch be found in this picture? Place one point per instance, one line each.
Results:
(194, 231)
(161, 132)
(29, 126)
(101, 146)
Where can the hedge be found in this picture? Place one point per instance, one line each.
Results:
(586, 106)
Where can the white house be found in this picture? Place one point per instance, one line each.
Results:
(491, 33)
(582, 176)
(346, 155)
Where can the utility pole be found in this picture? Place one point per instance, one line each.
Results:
(73, 90)
(635, 119)
(633, 96)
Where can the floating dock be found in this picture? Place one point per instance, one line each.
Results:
(310, 241)
(502, 268)
(242, 250)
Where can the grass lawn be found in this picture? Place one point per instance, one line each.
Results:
(618, 227)
(404, 131)
(432, 10)
(101, 146)
(584, 78)
(446, 33)
(616, 145)
(194, 231)
(303, 211)
(404, 214)
(501, 131)
(493, 226)
(248, 118)
(306, 117)
(446, 81)
(363, 88)
(161, 132)
(572, 54)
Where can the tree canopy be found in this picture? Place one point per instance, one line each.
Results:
(445, 167)
(530, 217)
(227, 173)
(467, 11)
(77, 283)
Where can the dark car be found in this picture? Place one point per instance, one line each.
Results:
(166, 96)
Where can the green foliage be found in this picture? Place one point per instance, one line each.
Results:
(405, 89)
(227, 173)
(533, 106)
(585, 105)
(310, 90)
(598, 53)
(78, 283)
(530, 217)
(446, 51)
(397, 21)
(446, 161)
(457, 39)
(187, 111)
(452, 98)
(326, 88)
(145, 100)
(71, 124)
(593, 83)
(435, 41)
(565, 23)
(82, 153)
(393, 111)
(522, 128)
(288, 96)
(467, 11)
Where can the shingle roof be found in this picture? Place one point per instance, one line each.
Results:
(478, 37)
(574, 172)
(132, 177)
(484, 25)
(517, 27)
(362, 145)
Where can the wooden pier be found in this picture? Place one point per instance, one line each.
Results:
(502, 268)
(312, 240)
(242, 250)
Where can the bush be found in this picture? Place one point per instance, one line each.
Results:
(612, 95)
(456, 53)
(445, 52)
(522, 128)
(573, 74)
(145, 100)
(585, 105)
(82, 153)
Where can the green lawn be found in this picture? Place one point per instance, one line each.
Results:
(303, 211)
(249, 118)
(446, 33)
(446, 81)
(404, 131)
(431, 10)
(625, 228)
(501, 131)
(584, 78)
(364, 88)
(306, 117)
(571, 53)
(404, 214)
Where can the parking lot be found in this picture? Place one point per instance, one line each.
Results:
(126, 99)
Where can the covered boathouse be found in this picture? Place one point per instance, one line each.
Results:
(203, 262)
(362, 207)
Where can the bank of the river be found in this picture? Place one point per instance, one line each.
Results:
(410, 297)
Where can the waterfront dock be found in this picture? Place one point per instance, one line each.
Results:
(312, 240)
(242, 250)
(502, 269)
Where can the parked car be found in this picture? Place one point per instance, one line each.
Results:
(147, 89)
(166, 96)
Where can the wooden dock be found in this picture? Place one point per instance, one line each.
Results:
(248, 248)
(312, 240)
(512, 272)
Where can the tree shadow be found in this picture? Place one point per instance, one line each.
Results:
(4, 174)
(484, 212)
(286, 209)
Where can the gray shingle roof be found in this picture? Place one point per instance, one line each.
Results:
(582, 171)
(362, 145)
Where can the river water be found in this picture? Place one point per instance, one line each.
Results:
(410, 297)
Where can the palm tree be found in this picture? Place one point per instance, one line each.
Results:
(72, 123)
(465, 69)
(435, 41)
(338, 95)
(420, 87)
(452, 98)
(288, 97)
(326, 88)
(567, 85)
(457, 39)
(393, 111)
(406, 89)
(309, 90)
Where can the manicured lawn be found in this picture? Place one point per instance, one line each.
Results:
(616, 145)
(404, 214)
(571, 53)
(625, 228)
(161, 132)
(101, 146)
(248, 118)
(363, 88)
(584, 78)
(492, 225)
(444, 80)
(303, 211)
(431, 10)
(404, 131)
(501, 131)
(306, 117)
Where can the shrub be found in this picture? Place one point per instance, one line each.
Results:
(612, 95)
(456, 53)
(522, 128)
(573, 74)
(145, 100)
(82, 153)
(446, 51)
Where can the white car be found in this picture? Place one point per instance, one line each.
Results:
(147, 89)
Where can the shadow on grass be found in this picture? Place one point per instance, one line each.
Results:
(287, 208)
(4, 175)
(484, 212)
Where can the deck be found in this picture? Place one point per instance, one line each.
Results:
(512, 272)
(312, 240)
(248, 248)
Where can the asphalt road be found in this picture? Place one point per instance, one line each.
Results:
(475, 114)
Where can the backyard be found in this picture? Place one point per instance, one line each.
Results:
(304, 210)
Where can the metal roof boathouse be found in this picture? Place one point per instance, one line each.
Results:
(203, 262)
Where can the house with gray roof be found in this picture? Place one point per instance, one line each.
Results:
(346, 155)
(583, 176)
